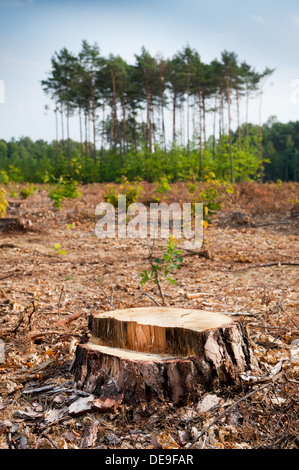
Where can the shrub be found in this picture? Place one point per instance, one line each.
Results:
(66, 188)
(26, 192)
(3, 202)
(129, 189)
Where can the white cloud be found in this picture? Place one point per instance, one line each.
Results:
(295, 20)
(258, 19)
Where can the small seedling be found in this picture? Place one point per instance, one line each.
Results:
(162, 267)
(58, 249)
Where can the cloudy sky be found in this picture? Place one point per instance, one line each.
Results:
(261, 32)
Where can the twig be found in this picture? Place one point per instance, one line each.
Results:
(226, 412)
(14, 330)
(39, 334)
(46, 436)
(281, 307)
(109, 301)
(47, 427)
(148, 295)
(278, 263)
(16, 290)
(155, 271)
(30, 315)
(275, 338)
(69, 319)
(50, 440)
(5, 277)
(62, 289)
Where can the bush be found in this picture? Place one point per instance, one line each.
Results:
(66, 188)
(28, 191)
(130, 190)
(3, 202)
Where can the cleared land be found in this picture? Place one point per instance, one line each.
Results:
(249, 270)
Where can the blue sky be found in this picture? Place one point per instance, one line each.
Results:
(262, 32)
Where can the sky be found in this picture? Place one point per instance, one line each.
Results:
(261, 32)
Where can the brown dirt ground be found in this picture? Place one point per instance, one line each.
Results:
(40, 287)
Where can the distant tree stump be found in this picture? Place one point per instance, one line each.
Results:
(162, 353)
(14, 224)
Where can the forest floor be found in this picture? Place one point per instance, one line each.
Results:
(249, 270)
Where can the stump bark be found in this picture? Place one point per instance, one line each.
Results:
(162, 353)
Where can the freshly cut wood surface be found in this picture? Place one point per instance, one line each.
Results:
(174, 331)
(198, 320)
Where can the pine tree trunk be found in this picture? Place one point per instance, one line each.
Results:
(230, 131)
(68, 137)
(261, 139)
(188, 139)
(114, 113)
(80, 128)
(214, 126)
(62, 129)
(93, 120)
(124, 125)
(204, 120)
(200, 134)
(86, 134)
(239, 134)
(174, 116)
(56, 126)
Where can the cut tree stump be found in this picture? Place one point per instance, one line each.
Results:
(162, 353)
(11, 224)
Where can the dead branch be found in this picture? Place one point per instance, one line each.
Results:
(151, 249)
(50, 440)
(59, 302)
(107, 298)
(69, 319)
(40, 334)
(9, 275)
(30, 315)
(291, 319)
(266, 265)
(148, 295)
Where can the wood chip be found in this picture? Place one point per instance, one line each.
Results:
(107, 404)
(81, 406)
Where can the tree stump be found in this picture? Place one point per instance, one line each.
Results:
(12, 224)
(162, 353)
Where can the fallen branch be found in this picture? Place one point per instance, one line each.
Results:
(59, 302)
(40, 334)
(31, 314)
(281, 307)
(50, 440)
(67, 320)
(47, 427)
(9, 275)
(107, 298)
(266, 265)
(149, 296)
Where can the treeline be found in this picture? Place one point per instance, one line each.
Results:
(123, 109)
(25, 160)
